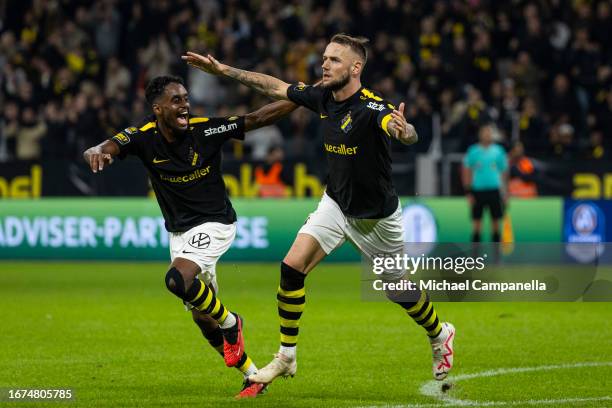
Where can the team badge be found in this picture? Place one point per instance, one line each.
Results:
(300, 87)
(121, 138)
(200, 241)
(347, 123)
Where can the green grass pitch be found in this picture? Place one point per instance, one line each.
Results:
(113, 333)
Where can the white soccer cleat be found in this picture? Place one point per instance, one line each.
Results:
(443, 353)
(281, 366)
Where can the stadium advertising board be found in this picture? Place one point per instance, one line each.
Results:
(134, 229)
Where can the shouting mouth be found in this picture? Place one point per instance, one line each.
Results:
(183, 119)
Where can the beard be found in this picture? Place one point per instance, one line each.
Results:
(338, 83)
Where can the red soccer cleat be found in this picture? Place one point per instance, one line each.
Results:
(251, 390)
(233, 343)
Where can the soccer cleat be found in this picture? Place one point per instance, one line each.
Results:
(281, 366)
(442, 347)
(251, 389)
(233, 343)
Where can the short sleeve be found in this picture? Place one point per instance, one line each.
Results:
(126, 140)
(220, 130)
(306, 95)
(383, 110)
(502, 160)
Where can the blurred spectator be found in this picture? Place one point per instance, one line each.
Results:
(523, 174)
(262, 140)
(527, 66)
(269, 176)
(32, 128)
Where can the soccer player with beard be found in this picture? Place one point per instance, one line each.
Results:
(182, 155)
(360, 203)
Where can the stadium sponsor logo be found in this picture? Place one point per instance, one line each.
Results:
(67, 236)
(341, 149)
(585, 222)
(221, 129)
(195, 175)
(200, 241)
(122, 138)
(347, 123)
(376, 106)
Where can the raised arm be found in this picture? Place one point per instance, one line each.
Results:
(101, 155)
(265, 84)
(400, 129)
(268, 114)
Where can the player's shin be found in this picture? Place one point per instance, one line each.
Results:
(291, 298)
(421, 310)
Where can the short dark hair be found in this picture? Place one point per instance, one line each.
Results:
(157, 85)
(357, 44)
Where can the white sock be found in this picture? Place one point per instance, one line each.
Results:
(288, 351)
(250, 371)
(230, 320)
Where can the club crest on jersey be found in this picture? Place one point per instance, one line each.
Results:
(347, 123)
(200, 241)
(300, 87)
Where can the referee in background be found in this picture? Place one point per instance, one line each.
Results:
(485, 173)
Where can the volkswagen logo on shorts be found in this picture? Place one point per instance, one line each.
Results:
(200, 241)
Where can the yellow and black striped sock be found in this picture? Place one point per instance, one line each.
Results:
(424, 314)
(203, 298)
(215, 339)
(291, 298)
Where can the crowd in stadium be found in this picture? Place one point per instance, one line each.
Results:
(73, 72)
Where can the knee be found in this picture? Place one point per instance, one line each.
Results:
(175, 282)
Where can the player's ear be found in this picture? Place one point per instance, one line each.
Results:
(156, 109)
(357, 65)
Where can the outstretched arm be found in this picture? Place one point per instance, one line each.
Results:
(268, 114)
(101, 155)
(265, 84)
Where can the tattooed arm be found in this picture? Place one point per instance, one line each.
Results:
(265, 84)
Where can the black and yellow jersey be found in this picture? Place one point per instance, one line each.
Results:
(357, 146)
(185, 174)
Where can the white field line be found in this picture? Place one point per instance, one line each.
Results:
(433, 389)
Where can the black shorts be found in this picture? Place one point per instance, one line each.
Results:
(487, 198)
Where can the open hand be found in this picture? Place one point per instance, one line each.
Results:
(205, 63)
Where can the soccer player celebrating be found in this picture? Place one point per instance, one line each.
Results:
(182, 155)
(359, 204)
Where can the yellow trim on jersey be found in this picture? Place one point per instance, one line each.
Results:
(385, 123)
(369, 94)
(148, 126)
(198, 120)
(195, 159)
